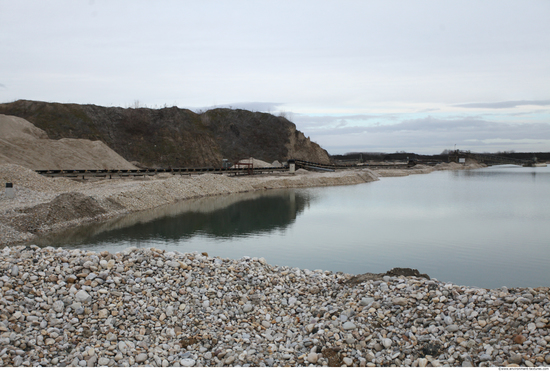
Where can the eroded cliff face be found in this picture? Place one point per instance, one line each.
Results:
(243, 134)
(173, 137)
(302, 148)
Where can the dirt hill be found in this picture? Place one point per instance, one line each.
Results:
(24, 144)
(173, 137)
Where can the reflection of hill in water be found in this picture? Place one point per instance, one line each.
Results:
(219, 217)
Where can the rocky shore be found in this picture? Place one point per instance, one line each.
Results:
(148, 307)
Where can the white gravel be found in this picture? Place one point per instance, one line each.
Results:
(150, 307)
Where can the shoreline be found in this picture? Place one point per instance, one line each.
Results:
(44, 205)
(149, 307)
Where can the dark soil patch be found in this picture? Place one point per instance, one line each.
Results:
(395, 272)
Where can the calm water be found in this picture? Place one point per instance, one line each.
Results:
(488, 227)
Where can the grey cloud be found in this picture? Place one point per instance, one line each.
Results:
(338, 125)
(332, 118)
(527, 113)
(466, 128)
(342, 123)
(432, 143)
(2, 86)
(311, 122)
(430, 124)
(431, 135)
(344, 130)
(257, 106)
(508, 104)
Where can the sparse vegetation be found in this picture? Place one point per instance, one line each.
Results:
(171, 137)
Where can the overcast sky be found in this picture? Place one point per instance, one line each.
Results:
(388, 76)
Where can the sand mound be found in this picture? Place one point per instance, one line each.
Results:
(67, 207)
(449, 166)
(386, 173)
(24, 144)
(26, 178)
(15, 128)
(255, 162)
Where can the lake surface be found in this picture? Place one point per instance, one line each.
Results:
(488, 227)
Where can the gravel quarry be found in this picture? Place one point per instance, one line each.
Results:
(150, 307)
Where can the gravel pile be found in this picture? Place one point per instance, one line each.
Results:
(470, 164)
(63, 307)
(31, 188)
(29, 179)
(254, 161)
(25, 144)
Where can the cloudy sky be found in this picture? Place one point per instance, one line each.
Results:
(388, 76)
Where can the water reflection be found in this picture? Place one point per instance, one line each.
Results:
(223, 217)
(486, 227)
(510, 172)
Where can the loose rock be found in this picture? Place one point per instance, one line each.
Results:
(256, 314)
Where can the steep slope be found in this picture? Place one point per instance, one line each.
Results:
(24, 144)
(243, 134)
(172, 136)
(301, 148)
(166, 137)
